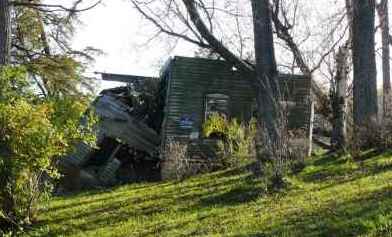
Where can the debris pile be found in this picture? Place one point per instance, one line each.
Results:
(127, 141)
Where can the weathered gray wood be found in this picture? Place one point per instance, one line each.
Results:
(79, 157)
(108, 173)
(123, 78)
(116, 122)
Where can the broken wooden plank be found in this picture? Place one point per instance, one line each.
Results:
(123, 78)
(108, 174)
(117, 122)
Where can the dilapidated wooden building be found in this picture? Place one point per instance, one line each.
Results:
(188, 91)
(197, 87)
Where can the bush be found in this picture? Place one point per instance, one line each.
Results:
(372, 135)
(285, 152)
(297, 149)
(236, 143)
(176, 161)
(34, 133)
(386, 134)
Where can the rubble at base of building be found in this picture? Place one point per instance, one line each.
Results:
(127, 143)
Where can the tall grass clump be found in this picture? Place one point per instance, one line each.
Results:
(236, 141)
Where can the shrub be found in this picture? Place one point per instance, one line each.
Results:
(386, 134)
(286, 150)
(275, 156)
(215, 126)
(176, 160)
(297, 149)
(34, 133)
(236, 143)
(374, 134)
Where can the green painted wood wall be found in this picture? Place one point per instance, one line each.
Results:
(191, 79)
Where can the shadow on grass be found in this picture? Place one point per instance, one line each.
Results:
(100, 217)
(249, 190)
(112, 210)
(365, 214)
(84, 202)
(243, 168)
(370, 154)
(110, 194)
(154, 204)
(235, 196)
(330, 159)
(341, 168)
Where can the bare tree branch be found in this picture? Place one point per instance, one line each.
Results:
(166, 31)
(214, 43)
(55, 7)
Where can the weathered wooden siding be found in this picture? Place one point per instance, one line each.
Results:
(191, 79)
(299, 89)
(116, 122)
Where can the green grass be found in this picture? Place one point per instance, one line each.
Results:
(332, 196)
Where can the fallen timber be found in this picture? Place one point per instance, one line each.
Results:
(123, 123)
(116, 122)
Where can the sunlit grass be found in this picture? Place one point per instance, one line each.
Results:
(332, 196)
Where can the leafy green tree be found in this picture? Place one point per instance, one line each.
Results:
(42, 99)
(41, 41)
(35, 132)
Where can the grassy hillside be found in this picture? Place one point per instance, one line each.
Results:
(332, 196)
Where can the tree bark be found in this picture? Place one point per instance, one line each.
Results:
(338, 88)
(7, 202)
(338, 99)
(365, 80)
(267, 87)
(5, 32)
(382, 10)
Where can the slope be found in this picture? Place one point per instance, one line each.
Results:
(332, 196)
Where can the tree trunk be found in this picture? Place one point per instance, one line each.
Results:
(365, 80)
(382, 10)
(7, 201)
(5, 32)
(266, 73)
(338, 100)
(339, 87)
